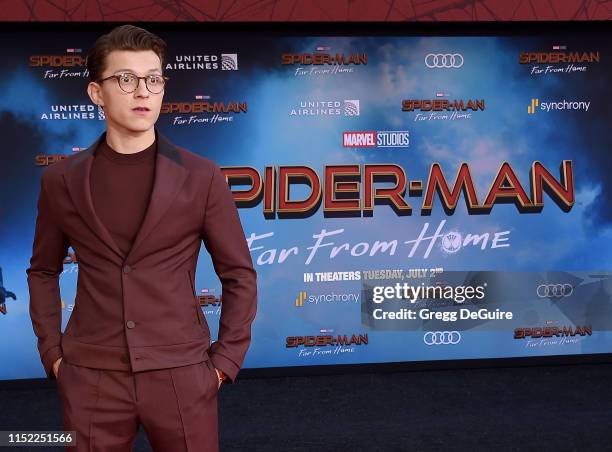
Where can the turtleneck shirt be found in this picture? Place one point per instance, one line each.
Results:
(121, 186)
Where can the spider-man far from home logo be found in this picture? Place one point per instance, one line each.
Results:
(357, 184)
(69, 65)
(559, 60)
(203, 110)
(323, 62)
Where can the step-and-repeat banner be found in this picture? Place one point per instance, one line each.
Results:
(404, 198)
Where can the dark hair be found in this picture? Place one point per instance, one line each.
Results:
(124, 37)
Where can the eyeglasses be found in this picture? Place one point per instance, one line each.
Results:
(129, 82)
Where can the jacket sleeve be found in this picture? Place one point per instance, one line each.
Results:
(224, 239)
(46, 264)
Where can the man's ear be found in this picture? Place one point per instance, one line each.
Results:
(95, 93)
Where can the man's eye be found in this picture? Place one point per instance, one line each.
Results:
(127, 78)
(155, 79)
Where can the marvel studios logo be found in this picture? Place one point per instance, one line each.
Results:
(376, 139)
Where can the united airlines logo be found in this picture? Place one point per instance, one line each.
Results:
(347, 107)
(229, 61)
(351, 107)
(73, 112)
(212, 62)
(444, 60)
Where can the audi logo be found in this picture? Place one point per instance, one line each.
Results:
(442, 337)
(554, 290)
(444, 60)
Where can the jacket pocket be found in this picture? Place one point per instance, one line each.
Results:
(196, 302)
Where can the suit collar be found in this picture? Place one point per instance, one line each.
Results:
(170, 175)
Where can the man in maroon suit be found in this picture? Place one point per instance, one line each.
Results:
(135, 209)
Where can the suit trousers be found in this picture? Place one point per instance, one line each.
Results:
(177, 407)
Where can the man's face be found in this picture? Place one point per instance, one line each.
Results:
(120, 107)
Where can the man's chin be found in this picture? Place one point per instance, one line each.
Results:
(136, 127)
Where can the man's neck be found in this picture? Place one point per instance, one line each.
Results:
(129, 143)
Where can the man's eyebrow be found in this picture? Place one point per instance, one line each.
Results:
(133, 71)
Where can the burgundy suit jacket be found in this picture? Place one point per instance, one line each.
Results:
(140, 311)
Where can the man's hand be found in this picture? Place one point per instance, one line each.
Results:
(220, 377)
(56, 366)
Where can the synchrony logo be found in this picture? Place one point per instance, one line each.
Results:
(560, 105)
(304, 297)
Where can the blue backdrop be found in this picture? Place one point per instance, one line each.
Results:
(540, 98)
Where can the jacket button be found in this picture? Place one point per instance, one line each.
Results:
(127, 269)
(130, 324)
(125, 358)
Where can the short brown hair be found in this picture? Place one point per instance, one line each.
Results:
(124, 37)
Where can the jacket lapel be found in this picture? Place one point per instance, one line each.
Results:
(170, 175)
(77, 181)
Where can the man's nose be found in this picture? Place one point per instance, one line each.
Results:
(141, 89)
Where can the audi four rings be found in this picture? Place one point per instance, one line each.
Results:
(444, 60)
(442, 337)
(554, 290)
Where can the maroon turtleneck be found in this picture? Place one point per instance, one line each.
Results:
(121, 186)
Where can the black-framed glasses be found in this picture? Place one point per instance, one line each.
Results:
(129, 82)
